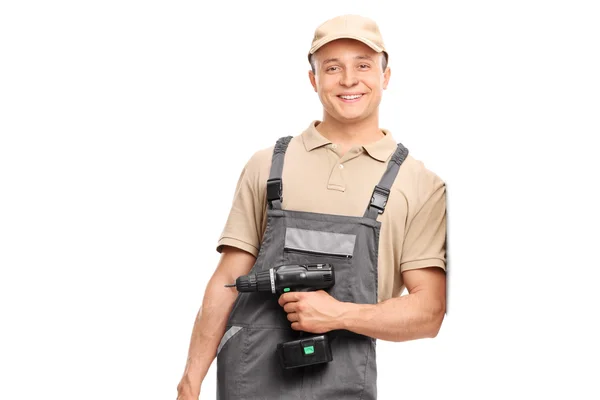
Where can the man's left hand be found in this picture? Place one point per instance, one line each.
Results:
(315, 312)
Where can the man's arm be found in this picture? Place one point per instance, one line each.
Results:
(416, 315)
(210, 322)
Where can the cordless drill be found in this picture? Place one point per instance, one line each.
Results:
(307, 350)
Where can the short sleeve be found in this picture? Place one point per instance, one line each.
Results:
(425, 238)
(245, 223)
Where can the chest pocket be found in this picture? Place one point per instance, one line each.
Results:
(312, 243)
(306, 246)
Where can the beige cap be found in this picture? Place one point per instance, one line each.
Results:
(348, 27)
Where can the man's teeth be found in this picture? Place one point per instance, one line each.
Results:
(356, 96)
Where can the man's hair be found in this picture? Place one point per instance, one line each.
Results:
(384, 62)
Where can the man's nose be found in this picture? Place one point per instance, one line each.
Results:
(348, 79)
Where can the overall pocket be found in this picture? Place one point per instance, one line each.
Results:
(319, 243)
(248, 365)
(307, 246)
(229, 333)
(351, 375)
(309, 253)
(229, 359)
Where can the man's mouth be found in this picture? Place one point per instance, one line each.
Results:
(350, 96)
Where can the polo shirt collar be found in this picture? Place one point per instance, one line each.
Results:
(312, 137)
(380, 150)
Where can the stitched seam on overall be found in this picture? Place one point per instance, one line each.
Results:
(364, 221)
(251, 325)
(377, 231)
(241, 381)
(366, 369)
(265, 238)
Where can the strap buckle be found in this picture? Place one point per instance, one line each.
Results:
(379, 198)
(274, 189)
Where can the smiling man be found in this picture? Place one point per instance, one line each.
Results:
(344, 193)
(349, 77)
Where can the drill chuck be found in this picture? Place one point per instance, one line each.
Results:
(259, 282)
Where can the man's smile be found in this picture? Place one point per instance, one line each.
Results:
(350, 98)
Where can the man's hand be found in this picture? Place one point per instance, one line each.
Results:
(185, 391)
(315, 312)
(211, 320)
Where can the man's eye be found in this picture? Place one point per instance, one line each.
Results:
(331, 68)
(364, 65)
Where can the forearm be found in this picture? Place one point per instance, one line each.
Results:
(208, 330)
(409, 317)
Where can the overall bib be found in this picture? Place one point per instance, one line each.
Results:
(247, 362)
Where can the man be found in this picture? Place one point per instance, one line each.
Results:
(342, 187)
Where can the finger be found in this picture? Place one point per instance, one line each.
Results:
(290, 307)
(287, 297)
(292, 317)
(284, 298)
(296, 326)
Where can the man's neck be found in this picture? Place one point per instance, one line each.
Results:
(350, 134)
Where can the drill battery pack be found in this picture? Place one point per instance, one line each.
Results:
(306, 351)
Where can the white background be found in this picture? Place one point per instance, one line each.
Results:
(124, 127)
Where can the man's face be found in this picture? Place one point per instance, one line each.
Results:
(349, 79)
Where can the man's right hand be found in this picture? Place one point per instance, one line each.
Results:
(209, 326)
(185, 391)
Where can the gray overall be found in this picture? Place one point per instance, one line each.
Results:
(247, 363)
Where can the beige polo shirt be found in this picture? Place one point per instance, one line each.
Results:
(317, 179)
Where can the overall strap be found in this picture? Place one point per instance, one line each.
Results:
(274, 185)
(382, 190)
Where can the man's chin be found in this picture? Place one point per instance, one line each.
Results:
(347, 117)
(351, 117)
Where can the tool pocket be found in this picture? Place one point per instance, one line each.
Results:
(353, 358)
(309, 243)
(305, 246)
(230, 357)
(229, 333)
(248, 366)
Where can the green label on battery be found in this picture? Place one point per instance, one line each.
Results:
(287, 289)
(309, 350)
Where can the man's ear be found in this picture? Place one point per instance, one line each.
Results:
(313, 80)
(386, 77)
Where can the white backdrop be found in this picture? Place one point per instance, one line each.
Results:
(124, 127)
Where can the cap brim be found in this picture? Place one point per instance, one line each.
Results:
(329, 39)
